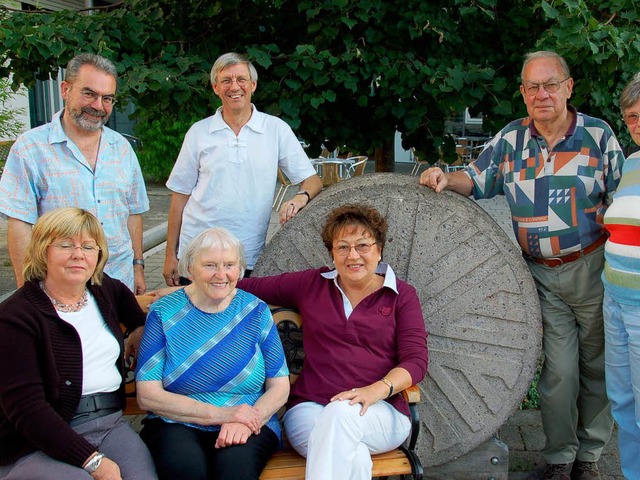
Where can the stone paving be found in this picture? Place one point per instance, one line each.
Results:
(523, 430)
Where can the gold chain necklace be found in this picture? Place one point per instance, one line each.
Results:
(64, 307)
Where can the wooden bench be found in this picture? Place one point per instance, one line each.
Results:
(287, 464)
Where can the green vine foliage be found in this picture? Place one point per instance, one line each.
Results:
(350, 72)
(162, 145)
(10, 127)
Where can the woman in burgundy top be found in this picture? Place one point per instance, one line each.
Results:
(364, 341)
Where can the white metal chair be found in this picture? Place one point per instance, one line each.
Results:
(285, 183)
(417, 163)
(357, 167)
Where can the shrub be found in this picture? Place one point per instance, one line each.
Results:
(532, 400)
(9, 125)
(161, 142)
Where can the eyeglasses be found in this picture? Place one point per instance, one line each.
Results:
(361, 248)
(69, 248)
(631, 118)
(549, 87)
(90, 96)
(227, 82)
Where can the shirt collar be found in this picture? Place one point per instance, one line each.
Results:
(384, 269)
(56, 134)
(255, 123)
(568, 133)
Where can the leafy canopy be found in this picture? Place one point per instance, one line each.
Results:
(352, 72)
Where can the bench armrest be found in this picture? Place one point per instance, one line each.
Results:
(412, 394)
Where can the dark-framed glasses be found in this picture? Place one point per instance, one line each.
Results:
(631, 118)
(70, 247)
(362, 248)
(550, 87)
(90, 96)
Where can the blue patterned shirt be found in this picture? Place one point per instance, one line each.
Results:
(45, 170)
(557, 197)
(220, 358)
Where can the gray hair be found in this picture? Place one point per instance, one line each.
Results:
(228, 60)
(218, 238)
(531, 56)
(631, 93)
(96, 61)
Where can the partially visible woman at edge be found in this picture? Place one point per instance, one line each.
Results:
(211, 370)
(364, 340)
(62, 360)
(621, 307)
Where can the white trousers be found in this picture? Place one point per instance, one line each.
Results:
(338, 442)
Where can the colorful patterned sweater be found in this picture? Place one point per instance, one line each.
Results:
(621, 274)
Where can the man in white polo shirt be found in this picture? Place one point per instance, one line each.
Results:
(227, 169)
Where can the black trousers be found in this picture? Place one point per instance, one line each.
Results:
(185, 453)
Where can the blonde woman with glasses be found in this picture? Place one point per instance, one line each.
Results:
(62, 354)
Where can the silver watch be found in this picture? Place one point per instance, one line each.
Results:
(93, 464)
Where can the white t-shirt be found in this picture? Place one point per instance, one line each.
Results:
(231, 179)
(100, 349)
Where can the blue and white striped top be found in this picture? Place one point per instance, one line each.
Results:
(220, 358)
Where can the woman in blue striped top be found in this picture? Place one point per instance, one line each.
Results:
(621, 307)
(212, 370)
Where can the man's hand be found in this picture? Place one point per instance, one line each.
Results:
(232, 434)
(157, 294)
(291, 208)
(139, 284)
(434, 178)
(170, 270)
(133, 346)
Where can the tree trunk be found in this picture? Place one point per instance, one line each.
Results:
(385, 161)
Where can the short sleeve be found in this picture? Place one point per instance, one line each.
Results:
(151, 358)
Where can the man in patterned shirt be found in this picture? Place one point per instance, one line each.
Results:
(76, 161)
(558, 170)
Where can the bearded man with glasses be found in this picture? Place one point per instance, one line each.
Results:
(76, 161)
(558, 170)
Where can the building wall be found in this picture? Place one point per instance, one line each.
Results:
(21, 99)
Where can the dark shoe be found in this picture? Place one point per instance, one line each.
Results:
(585, 471)
(558, 471)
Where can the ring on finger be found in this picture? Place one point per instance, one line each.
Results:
(353, 389)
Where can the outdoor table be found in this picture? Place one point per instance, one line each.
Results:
(332, 170)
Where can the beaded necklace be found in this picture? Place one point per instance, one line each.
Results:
(64, 307)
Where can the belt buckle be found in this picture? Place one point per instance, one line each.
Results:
(92, 405)
(554, 259)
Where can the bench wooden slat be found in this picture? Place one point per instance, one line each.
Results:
(288, 465)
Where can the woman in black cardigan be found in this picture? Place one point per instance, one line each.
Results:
(62, 360)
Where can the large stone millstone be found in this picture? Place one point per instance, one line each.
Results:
(479, 301)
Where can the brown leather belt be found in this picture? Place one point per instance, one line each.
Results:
(572, 257)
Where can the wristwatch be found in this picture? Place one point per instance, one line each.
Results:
(138, 261)
(93, 464)
(304, 192)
